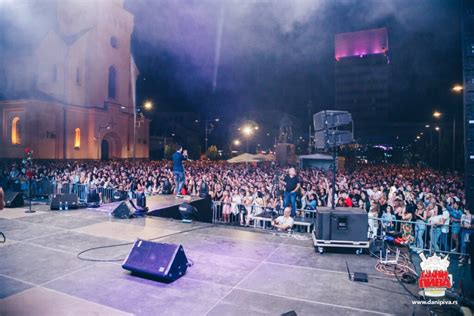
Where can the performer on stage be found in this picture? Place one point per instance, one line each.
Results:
(178, 169)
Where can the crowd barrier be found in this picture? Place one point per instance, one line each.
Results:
(420, 236)
(258, 216)
(45, 188)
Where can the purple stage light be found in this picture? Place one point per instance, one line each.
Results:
(374, 41)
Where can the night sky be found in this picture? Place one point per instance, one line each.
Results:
(279, 54)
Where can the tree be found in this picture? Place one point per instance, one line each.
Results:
(212, 153)
(169, 150)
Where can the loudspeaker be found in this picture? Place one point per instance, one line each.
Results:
(331, 118)
(342, 224)
(93, 197)
(332, 138)
(141, 200)
(166, 262)
(119, 196)
(62, 199)
(14, 199)
(123, 210)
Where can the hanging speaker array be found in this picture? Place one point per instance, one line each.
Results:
(326, 125)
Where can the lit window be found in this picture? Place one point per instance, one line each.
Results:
(78, 77)
(16, 131)
(77, 138)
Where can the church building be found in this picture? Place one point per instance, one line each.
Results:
(67, 82)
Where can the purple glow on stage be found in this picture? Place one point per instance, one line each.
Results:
(374, 41)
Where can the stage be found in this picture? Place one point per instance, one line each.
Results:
(236, 271)
(167, 206)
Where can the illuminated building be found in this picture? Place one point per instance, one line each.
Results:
(468, 69)
(362, 72)
(67, 81)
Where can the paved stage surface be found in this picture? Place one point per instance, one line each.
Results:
(235, 272)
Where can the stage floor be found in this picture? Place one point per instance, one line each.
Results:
(155, 202)
(235, 271)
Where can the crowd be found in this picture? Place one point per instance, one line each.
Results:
(428, 200)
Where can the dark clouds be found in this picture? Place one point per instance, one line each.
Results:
(279, 53)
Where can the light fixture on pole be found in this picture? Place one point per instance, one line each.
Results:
(438, 115)
(206, 130)
(248, 130)
(148, 106)
(457, 88)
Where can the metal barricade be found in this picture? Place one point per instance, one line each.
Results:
(256, 216)
(223, 214)
(421, 236)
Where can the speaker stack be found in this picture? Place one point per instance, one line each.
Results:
(326, 136)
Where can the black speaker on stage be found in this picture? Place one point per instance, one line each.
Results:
(162, 261)
(119, 196)
(69, 200)
(14, 199)
(93, 199)
(342, 224)
(123, 210)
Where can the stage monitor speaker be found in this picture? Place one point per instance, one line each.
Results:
(342, 224)
(124, 210)
(14, 199)
(166, 262)
(119, 196)
(332, 118)
(93, 197)
(62, 199)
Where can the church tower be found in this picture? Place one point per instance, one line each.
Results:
(76, 96)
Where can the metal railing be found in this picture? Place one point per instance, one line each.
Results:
(256, 216)
(45, 188)
(422, 236)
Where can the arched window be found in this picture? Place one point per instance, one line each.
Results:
(77, 138)
(114, 42)
(16, 131)
(112, 82)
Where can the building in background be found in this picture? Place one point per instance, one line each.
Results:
(468, 71)
(67, 85)
(362, 76)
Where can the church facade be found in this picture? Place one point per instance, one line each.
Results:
(69, 93)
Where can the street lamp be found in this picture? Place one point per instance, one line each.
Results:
(148, 106)
(236, 142)
(438, 129)
(438, 115)
(206, 129)
(248, 130)
(457, 88)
